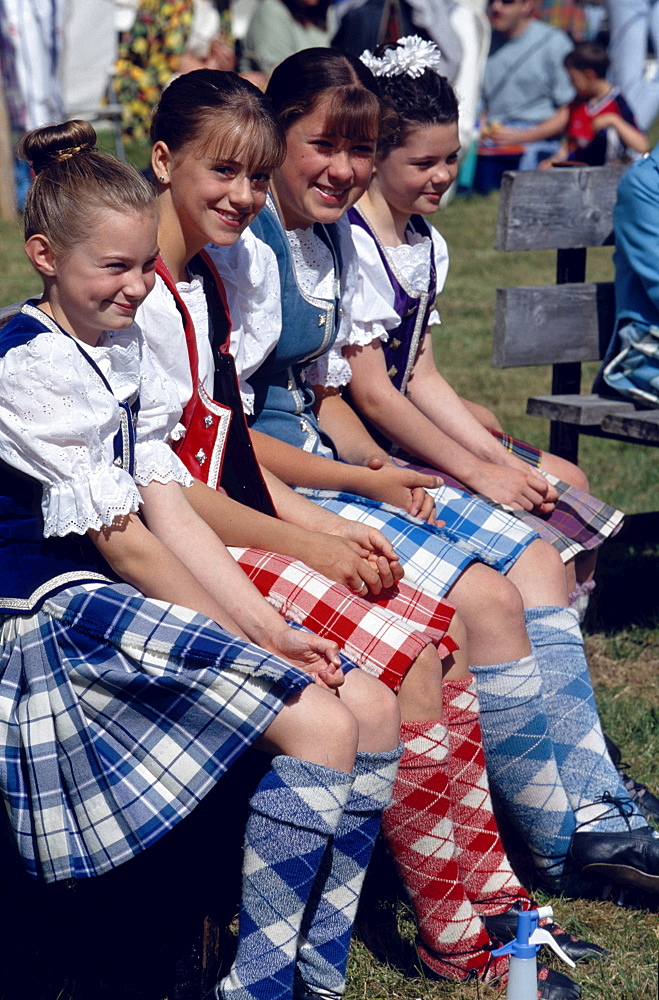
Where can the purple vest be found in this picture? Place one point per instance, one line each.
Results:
(414, 308)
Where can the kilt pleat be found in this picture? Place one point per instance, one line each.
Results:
(118, 714)
(434, 557)
(383, 635)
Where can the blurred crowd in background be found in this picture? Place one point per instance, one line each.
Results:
(112, 58)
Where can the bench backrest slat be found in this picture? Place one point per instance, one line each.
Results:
(545, 325)
(557, 209)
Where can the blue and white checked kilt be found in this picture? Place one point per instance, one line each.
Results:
(434, 557)
(578, 523)
(117, 715)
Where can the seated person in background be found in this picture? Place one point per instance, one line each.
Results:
(600, 125)
(525, 82)
(631, 365)
(279, 28)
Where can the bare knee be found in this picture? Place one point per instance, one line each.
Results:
(457, 630)
(420, 695)
(483, 594)
(540, 576)
(375, 708)
(314, 726)
(541, 559)
(492, 610)
(567, 471)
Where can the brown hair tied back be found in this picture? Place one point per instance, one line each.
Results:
(45, 146)
(73, 181)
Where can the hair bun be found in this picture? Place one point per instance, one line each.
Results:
(53, 143)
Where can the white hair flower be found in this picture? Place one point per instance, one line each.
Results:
(411, 57)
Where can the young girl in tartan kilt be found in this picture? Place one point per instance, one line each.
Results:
(524, 643)
(210, 191)
(395, 385)
(137, 660)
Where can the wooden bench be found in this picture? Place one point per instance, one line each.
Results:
(566, 324)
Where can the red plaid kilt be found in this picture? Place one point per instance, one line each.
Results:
(383, 635)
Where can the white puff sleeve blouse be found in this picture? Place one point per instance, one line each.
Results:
(58, 422)
(332, 369)
(250, 275)
(373, 310)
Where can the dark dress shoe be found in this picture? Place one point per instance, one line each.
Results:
(553, 985)
(302, 991)
(628, 858)
(641, 795)
(504, 927)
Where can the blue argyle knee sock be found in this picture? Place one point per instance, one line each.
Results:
(520, 758)
(586, 769)
(330, 913)
(294, 813)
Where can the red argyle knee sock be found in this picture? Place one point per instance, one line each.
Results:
(485, 871)
(419, 830)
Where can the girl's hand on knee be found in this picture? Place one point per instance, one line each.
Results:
(403, 487)
(536, 477)
(523, 489)
(310, 652)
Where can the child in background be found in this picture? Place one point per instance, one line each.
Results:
(130, 661)
(599, 124)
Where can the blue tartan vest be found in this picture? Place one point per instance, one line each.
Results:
(33, 567)
(283, 399)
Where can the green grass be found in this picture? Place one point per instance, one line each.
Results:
(622, 627)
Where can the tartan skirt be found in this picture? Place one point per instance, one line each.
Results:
(118, 714)
(383, 635)
(527, 452)
(435, 557)
(578, 523)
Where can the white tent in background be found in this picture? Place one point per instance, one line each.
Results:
(34, 30)
(89, 51)
(64, 51)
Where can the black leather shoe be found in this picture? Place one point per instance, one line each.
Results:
(302, 991)
(553, 985)
(504, 927)
(641, 795)
(628, 858)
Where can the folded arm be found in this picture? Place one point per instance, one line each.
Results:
(358, 556)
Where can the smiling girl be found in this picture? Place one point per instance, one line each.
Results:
(210, 189)
(395, 384)
(137, 660)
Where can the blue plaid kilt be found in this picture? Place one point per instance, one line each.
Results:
(578, 523)
(118, 714)
(434, 557)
